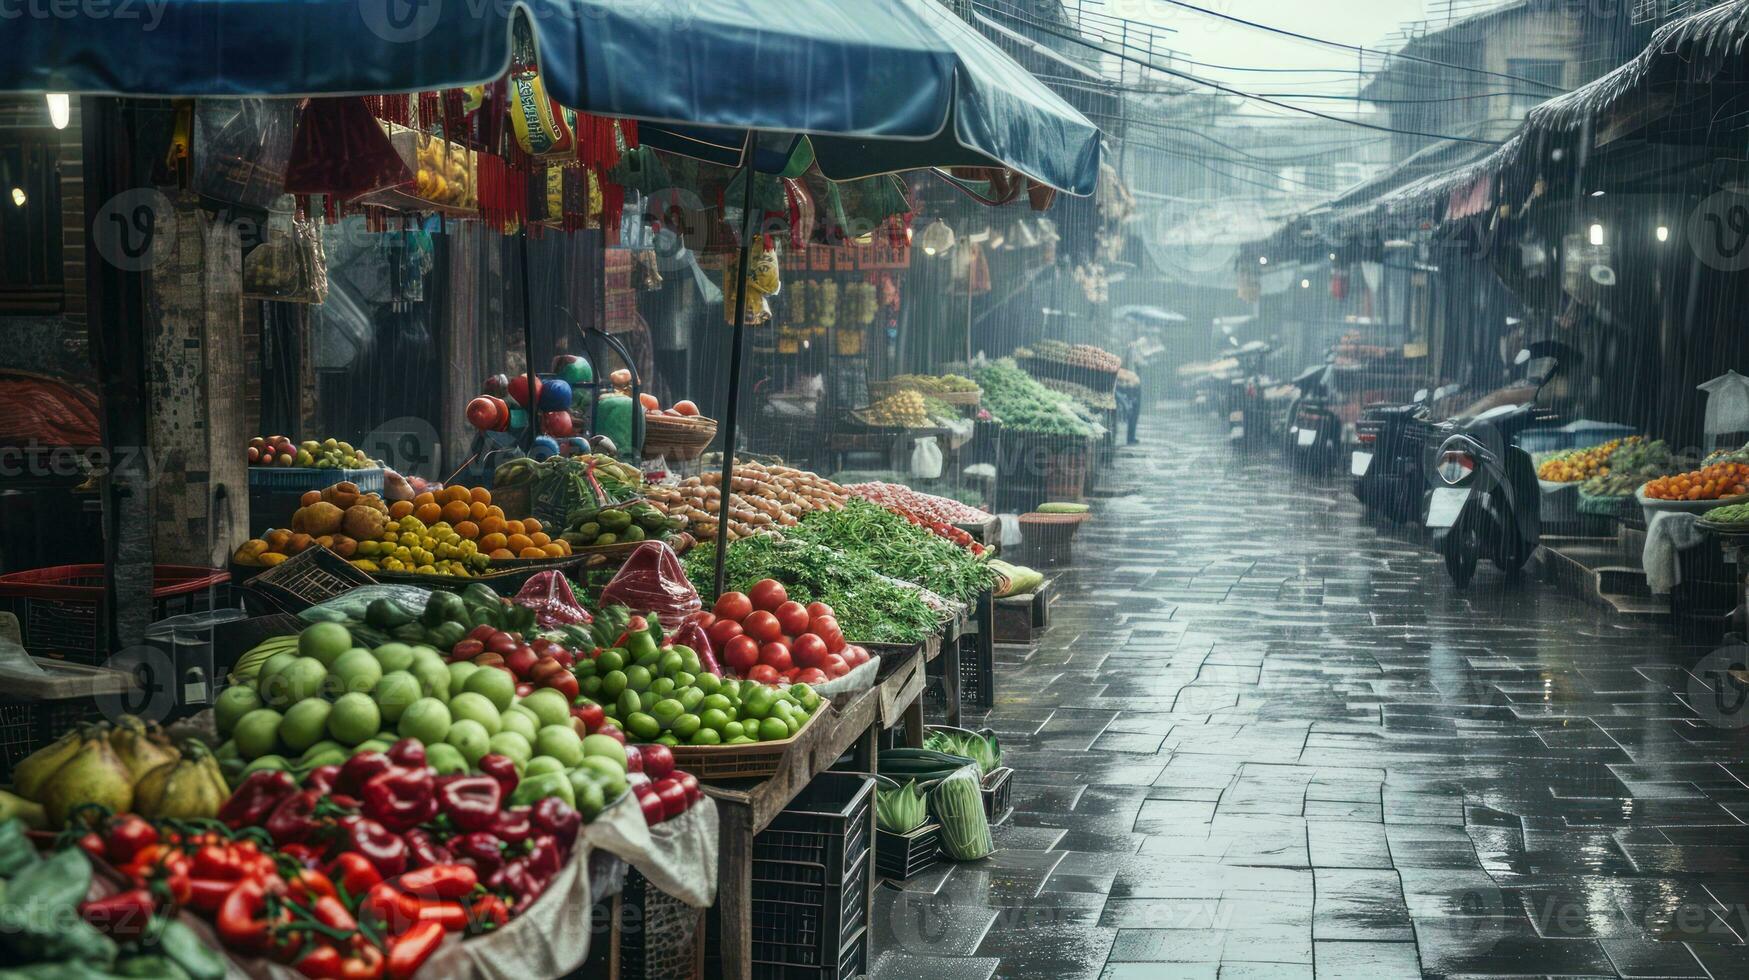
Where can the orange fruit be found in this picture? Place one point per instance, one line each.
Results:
(478, 511)
(493, 524)
(428, 514)
(531, 552)
(563, 546)
(461, 494)
(520, 542)
(480, 495)
(400, 509)
(468, 529)
(554, 550)
(539, 539)
(515, 527)
(424, 498)
(493, 542)
(455, 511)
(501, 553)
(530, 526)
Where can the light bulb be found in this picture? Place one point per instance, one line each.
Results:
(60, 109)
(18, 196)
(1305, 284)
(1597, 234)
(1663, 233)
(1263, 260)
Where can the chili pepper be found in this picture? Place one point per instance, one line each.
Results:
(394, 909)
(544, 858)
(365, 961)
(293, 821)
(124, 915)
(256, 797)
(332, 912)
(243, 921)
(353, 872)
(310, 885)
(322, 779)
(445, 881)
(552, 816)
(125, 836)
(400, 799)
(487, 913)
(423, 849)
(208, 894)
(408, 753)
(502, 768)
(471, 802)
(308, 855)
(361, 769)
(409, 951)
(453, 916)
(385, 850)
(481, 847)
(322, 963)
(513, 826)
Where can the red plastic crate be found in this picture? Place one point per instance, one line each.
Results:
(60, 609)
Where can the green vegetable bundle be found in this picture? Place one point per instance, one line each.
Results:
(896, 547)
(899, 808)
(870, 608)
(958, 803)
(980, 747)
(1025, 405)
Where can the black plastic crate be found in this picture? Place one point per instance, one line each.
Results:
(899, 856)
(852, 962)
(26, 726)
(830, 823)
(998, 792)
(978, 654)
(659, 936)
(62, 610)
(799, 925)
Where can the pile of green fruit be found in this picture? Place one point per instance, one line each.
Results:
(1631, 466)
(663, 696)
(330, 699)
(1733, 517)
(619, 524)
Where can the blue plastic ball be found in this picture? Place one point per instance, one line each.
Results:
(545, 447)
(555, 395)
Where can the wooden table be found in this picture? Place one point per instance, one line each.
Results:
(746, 807)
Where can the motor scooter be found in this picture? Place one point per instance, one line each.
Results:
(1389, 462)
(1314, 432)
(1485, 500)
(1248, 410)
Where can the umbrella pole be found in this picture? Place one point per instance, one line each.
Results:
(733, 407)
(533, 430)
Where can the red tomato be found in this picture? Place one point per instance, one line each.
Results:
(818, 609)
(811, 675)
(764, 674)
(855, 656)
(722, 631)
(482, 413)
(741, 654)
(768, 594)
(776, 656)
(809, 650)
(733, 605)
(685, 406)
(704, 619)
(793, 616)
(763, 626)
(826, 628)
(835, 666)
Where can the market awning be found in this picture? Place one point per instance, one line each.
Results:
(996, 113)
(904, 82)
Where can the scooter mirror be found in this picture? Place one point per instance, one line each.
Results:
(1523, 356)
(1421, 395)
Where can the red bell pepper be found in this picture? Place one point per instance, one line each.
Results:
(386, 851)
(321, 963)
(453, 916)
(503, 769)
(513, 826)
(308, 855)
(361, 769)
(293, 821)
(545, 859)
(364, 962)
(553, 816)
(256, 797)
(408, 753)
(124, 915)
(243, 921)
(484, 849)
(423, 849)
(400, 799)
(125, 836)
(322, 779)
(471, 802)
(409, 951)
(394, 909)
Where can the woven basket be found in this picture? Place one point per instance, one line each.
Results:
(755, 760)
(966, 398)
(677, 438)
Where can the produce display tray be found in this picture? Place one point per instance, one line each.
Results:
(753, 761)
(901, 856)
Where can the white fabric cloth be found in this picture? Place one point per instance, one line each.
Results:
(1669, 532)
(678, 856)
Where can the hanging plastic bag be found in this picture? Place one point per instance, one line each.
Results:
(549, 595)
(290, 266)
(241, 149)
(692, 635)
(653, 582)
(926, 459)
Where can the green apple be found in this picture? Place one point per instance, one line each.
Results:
(549, 706)
(476, 707)
(394, 656)
(446, 759)
(395, 692)
(426, 719)
(497, 685)
(470, 739)
(513, 746)
(605, 747)
(355, 718)
(357, 671)
(304, 724)
(561, 742)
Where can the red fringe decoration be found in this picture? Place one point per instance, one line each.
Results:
(613, 203)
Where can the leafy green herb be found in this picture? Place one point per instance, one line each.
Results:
(870, 608)
(896, 547)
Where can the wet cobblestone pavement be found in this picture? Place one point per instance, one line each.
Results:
(1265, 739)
